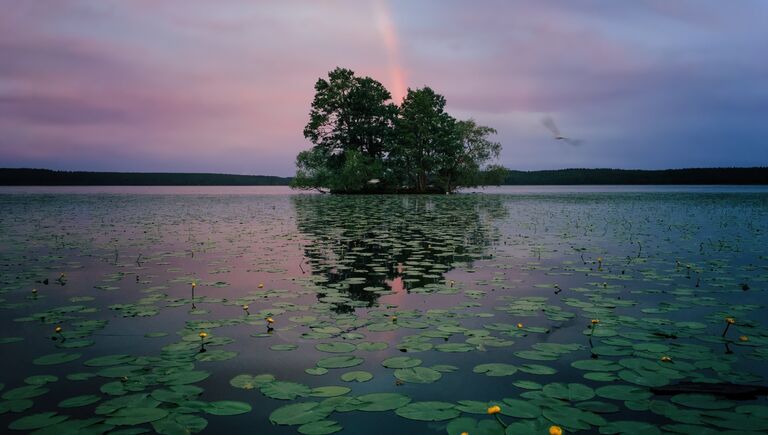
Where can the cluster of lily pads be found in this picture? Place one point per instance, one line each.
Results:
(579, 312)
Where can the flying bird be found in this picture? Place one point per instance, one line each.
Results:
(549, 123)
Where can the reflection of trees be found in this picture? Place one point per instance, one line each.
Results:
(361, 243)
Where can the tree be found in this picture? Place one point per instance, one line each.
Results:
(364, 143)
(351, 119)
(461, 160)
(424, 133)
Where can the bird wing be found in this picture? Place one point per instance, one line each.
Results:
(549, 123)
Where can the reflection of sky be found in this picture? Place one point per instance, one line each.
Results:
(157, 87)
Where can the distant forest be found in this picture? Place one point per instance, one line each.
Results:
(46, 177)
(634, 176)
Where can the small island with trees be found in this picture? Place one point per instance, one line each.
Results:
(365, 143)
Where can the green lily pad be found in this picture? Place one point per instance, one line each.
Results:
(428, 411)
(472, 407)
(321, 427)
(401, 362)
(357, 376)
(134, 416)
(336, 347)
(382, 401)
(227, 407)
(25, 392)
(215, 355)
(537, 369)
(418, 375)
(469, 425)
(41, 379)
(329, 391)
(283, 347)
(179, 424)
(372, 346)
(285, 390)
(37, 421)
(78, 401)
(299, 413)
(495, 369)
(339, 362)
(249, 382)
(630, 427)
(623, 392)
(701, 401)
(520, 409)
(455, 347)
(16, 405)
(56, 358)
(597, 365)
(109, 360)
(572, 392)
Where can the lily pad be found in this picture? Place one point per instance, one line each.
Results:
(428, 411)
(495, 369)
(401, 362)
(37, 421)
(227, 407)
(357, 376)
(418, 375)
(78, 401)
(285, 390)
(322, 427)
(134, 416)
(339, 362)
(249, 382)
(382, 401)
(336, 347)
(299, 413)
(56, 358)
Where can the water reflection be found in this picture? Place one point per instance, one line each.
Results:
(366, 246)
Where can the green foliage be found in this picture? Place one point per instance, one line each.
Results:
(364, 144)
(351, 127)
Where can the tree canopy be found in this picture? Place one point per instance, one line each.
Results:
(365, 143)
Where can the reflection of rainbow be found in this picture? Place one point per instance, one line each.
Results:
(389, 39)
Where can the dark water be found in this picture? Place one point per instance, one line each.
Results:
(444, 280)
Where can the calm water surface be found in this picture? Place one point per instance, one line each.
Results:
(484, 298)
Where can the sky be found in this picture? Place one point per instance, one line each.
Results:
(226, 86)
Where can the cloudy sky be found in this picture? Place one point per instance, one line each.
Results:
(226, 86)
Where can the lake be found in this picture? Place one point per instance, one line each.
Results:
(598, 309)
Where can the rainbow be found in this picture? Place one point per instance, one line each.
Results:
(389, 39)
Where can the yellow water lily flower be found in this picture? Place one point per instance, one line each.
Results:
(519, 325)
(194, 285)
(730, 320)
(495, 409)
(261, 285)
(34, 291)
(743, 338)
(202, 334)
(394, 319)
(555, 430)
(595, 321)
(270, 320)
(245, 307)
(58, 329)
(666, 359)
